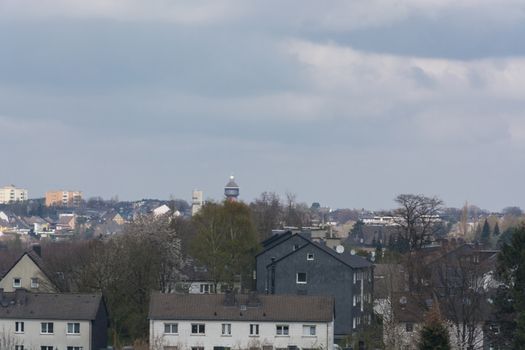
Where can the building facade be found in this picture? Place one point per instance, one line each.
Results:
(231, 190)
(292, 264)
(11, 193)
(225, 321)
(28, 273)
(53, 321)
(63, 198)
(197, 201)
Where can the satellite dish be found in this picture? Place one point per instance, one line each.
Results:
(340, 249)
(403, 300)
(352, 252)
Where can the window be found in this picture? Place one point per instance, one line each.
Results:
(171, 328)
(17, 282)
(197, 348)
(73, 328)
(301, 277)
(295, 246)
(226, 329)
(19, 347)
(74, 348)
(409, 327)
(310, 256)
(206, 288)
(44, 347)
(308, 330)
(46, 327)
(19, 327)
(34, 282)
(282, 329)
(197, 328)
(254, 329)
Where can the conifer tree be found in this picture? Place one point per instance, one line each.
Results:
(434, 335)
(496, 230)
(485, 232)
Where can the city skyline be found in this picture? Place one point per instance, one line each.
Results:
(348, 103)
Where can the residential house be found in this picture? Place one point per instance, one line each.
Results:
(229, 321)
(53, 321)
(294, 264)
(66, 222)
(28, 272)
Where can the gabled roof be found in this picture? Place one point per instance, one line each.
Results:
(50, 306)
(37, 259)
(353, 261)
(280, 308)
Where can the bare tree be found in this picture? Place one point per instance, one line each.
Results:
(418, 220)
(267, 213)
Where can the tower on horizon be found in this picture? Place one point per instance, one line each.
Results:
(231, 190)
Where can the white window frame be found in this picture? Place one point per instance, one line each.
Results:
(171, 326)
(226, 329)
(310, 256)
(254, 329)
(34, 282)
(198, 325)
(19, 284)
(19, 327)
(73, 326)
(282, 330)
(46, 330)
(309, 330)
(74, 348)
(297, 278)
(19, 347)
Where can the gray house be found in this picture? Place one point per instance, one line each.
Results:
(294, 264)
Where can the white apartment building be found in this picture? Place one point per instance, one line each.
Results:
(12, 194)
(226, 321)
(197, 201)
(53, 321)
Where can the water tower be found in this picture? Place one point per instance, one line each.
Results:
(231, 190)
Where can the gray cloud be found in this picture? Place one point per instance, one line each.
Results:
(345, 103)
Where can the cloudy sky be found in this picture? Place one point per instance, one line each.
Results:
(345, 102)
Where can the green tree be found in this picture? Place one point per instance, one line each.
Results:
(485, 232)
(510, 301)
(226, 241)
(496, 230)
(434, 334)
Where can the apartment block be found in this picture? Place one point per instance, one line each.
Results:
(12, 194)
(63, 198)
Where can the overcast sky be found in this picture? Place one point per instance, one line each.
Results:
(347, 103)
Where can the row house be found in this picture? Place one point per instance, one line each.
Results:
(229, 321)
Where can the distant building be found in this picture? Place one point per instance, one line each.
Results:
(228, 321)
(12, 194)
(63, 198)
(231, 190)
(162, 210)
(197, 201)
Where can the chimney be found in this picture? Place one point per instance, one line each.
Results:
(229, 298)
(37, 249)
(20, 295)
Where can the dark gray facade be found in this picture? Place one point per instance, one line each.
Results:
(293, 264)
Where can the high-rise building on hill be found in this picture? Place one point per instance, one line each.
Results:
(197, 201)
(12, 194)
(63, 198)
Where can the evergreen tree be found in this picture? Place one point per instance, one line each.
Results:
(510, 301)
(434, 335)
(496, 230)
(485, 233)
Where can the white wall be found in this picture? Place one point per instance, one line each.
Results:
(33, 339)
(240, 335)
